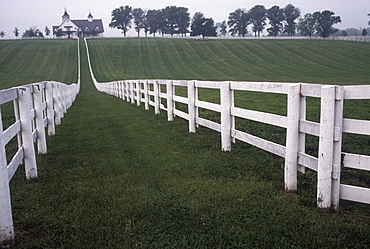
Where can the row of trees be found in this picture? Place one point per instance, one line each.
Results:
(170, 20)
(353, 32)
(320, 23)
(282, 21)
(176, 20)
(31, 32)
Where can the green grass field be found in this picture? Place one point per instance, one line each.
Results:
(117, 176)
(311, 61)
(26, 61)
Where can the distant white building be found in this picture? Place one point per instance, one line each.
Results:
(79, 28)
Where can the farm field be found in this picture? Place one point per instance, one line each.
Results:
(308, 61)
(117, 176)
(28, 61)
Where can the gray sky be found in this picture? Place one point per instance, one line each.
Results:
(41, 13)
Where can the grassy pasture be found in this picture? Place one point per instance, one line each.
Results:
(117, 176)
(311, 61)
(29, 61)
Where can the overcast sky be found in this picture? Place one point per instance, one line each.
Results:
(41, 13)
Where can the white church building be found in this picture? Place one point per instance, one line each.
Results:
(79, 28)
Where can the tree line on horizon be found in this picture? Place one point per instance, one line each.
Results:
(176, 20)
(33, 31)
(170, 20)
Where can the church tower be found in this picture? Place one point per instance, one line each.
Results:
(90, 17)
(65, 16)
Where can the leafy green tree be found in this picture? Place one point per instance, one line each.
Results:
(32, 32)
(154, 21)
(238, 22)
(202, 26)
(258, 19)
(364, 32)
(16, 32)
(146, 23)
(183, 20)
(223, 28)
(47, 31)
(163, 24)
(59, 33)
(276, 16)
(2, 34)
(196, 16)
(121, 18)
(307, 25)
(170, 17)
(176, 20)
(344, 33)
(138, 15)
(291, 13)
(325, 21)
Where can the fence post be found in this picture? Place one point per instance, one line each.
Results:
(116, 89)
(146, 95)
(292, 137)
(169, 100)
(57, 104)
(39, 116)
(16, 115)
(62, 95)
(191, 106)
(6, 219)
(24, 96)
(122, 84)
(337, 147)
(157, 98)
(233, 140)
(49, 108)
(325, 161)
(302, 135)
(132, 92)
(127, 84)
(226, 121)
(138, 93)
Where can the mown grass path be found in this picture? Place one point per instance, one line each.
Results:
(117, 176)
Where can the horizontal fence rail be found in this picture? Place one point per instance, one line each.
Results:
(329, 130)
(37, 107)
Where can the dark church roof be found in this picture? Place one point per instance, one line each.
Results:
(87, 26)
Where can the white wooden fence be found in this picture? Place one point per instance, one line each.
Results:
(329, 130)
(36, 106)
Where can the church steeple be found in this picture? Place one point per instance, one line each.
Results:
(65, 16)
(90, 17)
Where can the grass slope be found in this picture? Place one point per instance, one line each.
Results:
(28, 61)
(311, 61)
(117, 176)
